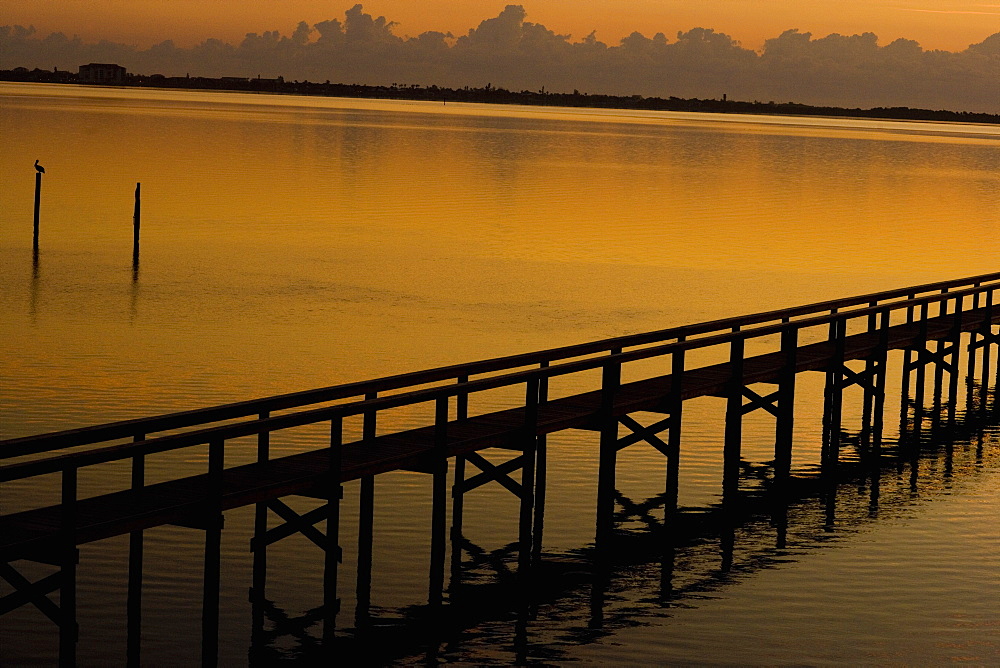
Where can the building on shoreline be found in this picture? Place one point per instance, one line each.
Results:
(102, 73)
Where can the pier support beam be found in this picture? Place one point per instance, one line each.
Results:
(213, 557)
(259, 578)
(607, 455)
(530, 486)
(943, 356)
(135, 559)
(611, 444)
(439, 503)
(734, 425)
(834, 398)
(785, 418)
(331, 546)
(457, 492)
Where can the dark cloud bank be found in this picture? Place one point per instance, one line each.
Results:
(510, 52)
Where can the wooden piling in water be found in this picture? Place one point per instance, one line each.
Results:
(527, 500)
(135, 561)
(785, 423)
(331, 544)
(213, 556)
(38, 202)
(607, 454)
(69, 629)
(136, 216)
(366, 529)
(439, 503)
(734, 424)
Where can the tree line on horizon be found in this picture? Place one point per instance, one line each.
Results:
(494, 95)
(512, 53)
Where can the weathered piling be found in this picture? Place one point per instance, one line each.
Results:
(136, 213)
(38, 202)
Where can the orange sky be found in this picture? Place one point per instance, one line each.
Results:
(937, 24)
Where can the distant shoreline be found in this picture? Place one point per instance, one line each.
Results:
(491, 95)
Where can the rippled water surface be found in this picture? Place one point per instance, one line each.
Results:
(290, 243)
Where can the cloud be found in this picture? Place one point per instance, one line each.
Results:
(510, 51)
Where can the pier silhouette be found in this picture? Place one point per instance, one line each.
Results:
(934, 326)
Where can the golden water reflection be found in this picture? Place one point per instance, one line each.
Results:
(290, 242)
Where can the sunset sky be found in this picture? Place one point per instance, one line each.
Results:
(936, 24)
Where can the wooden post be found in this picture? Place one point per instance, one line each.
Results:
(904, 395)
(956, 346)
(213, 556)
(457, 494)
(38, 201)
(135, 222)
(366, 528)
(259, 547)
(527, 482)
(68, 627)
(675, 403)
(988, 329)
(784, 427)
(439, 503)
(921, 380)
(970, 374)
(135, 554)
(331, 549)
(835, 395)
(734, 425)
(540, 474)
(675, 407)
(879, 382)
(868, 387)
(996, 379)
(939, 347)
(607, 455)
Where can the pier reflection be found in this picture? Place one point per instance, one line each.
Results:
(585, 595)
(666, 559)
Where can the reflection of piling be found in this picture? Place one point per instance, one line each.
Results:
(135, 224)
(38, 201)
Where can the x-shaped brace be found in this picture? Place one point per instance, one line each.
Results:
(925, 356)
(294, 523)
(641, 433)
(491, 472)
(988, 338)
(768, 403)
(26, 591)
(864, 379)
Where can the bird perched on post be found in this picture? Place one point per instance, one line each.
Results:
(39, 168)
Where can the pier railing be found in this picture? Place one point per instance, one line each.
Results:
(709, 333)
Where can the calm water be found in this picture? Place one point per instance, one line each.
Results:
(290, 243)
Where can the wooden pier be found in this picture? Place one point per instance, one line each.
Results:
(849, 340)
